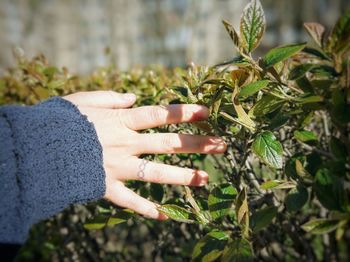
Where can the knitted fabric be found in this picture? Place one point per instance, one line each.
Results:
(50, 157)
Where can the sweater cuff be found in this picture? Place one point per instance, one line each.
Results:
(58, 162)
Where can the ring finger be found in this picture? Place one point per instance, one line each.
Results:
(140, 169)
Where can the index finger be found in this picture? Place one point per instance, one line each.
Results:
(153, 116)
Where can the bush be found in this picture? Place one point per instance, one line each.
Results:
(280, 192)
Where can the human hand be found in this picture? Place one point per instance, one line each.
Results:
(116, 126)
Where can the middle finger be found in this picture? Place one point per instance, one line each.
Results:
(169, 143)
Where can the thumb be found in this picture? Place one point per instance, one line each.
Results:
(102, 99)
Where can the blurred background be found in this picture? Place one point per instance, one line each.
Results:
(77, 33)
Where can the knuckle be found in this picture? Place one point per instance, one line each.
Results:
(124, 117)
(198, 143)
(156, 114)
(168, 143)
(187, 114)
(158, 175)
(120, 117)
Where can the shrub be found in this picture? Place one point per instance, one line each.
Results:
(280, 192)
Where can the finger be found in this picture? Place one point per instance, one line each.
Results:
(102, 99)
(140, 169)
(125, 197)
(152, 116)
(169, 143)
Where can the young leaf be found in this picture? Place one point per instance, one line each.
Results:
(236, 120)
(252, 88)
(252, 26)
(305, 136)
(242, 211)
(262, 218)
(210, 247)
(242, 115)
(320, 226)
(239, 76)
(281, 53)
(221, 199)
(268, 149)
(177, 213)
(233, 34)
(296, 198)
(340, 36)
(238, 250)
(316, 31)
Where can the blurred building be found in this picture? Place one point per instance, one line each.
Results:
(75, 33)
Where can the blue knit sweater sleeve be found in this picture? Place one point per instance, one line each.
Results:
(50, 157)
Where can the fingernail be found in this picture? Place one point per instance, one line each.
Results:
(129, 97)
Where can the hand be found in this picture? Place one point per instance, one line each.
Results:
(116, 126)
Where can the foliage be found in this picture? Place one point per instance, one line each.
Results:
(280, 192)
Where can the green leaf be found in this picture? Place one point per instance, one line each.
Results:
(210, 247)
(296, 198)
(265, 105)
(268, 149)
(262, 218)
(252, 26)
(177, 213)
(120, 217)
(329, 190)
(277, 184)
(299, 71)
(320, 226)
(338, 148)
(270, 184)
(316, 52)
(281, 53)
(279, 120)
(102, 221)
(324, 71)
(157, 192)
(305, 136)
(252, 88)
(309, 99)
(221, 199)
(97, 222)
(238, 250)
